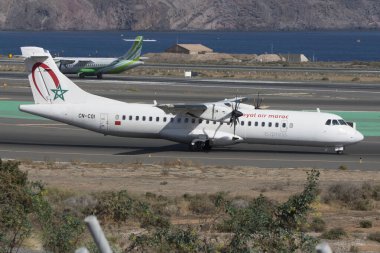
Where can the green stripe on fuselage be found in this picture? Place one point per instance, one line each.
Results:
(86, 70)
(119, 67)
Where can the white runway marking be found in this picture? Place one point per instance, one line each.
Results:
(172, 84)
(199, 158)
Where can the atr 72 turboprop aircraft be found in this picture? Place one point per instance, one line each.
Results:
(99, 66)
(202, 126)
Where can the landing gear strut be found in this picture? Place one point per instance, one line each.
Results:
(99, 76)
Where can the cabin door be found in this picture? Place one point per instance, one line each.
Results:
(284, 126)
(104, 121)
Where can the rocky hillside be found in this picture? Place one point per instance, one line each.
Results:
(189, 14)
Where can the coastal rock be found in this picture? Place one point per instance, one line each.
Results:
(244, 15)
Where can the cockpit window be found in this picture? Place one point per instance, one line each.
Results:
(328, 122)
(342, 122)
(335, 122)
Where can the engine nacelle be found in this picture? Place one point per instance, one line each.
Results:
(220, 113)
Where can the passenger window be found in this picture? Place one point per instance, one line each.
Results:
(124, 117)
(249, 123)
(143, 118)
(328, 122)
(200, 121)
(263, 124)
(207, 121)
(335, 122)
(179, 120)
(172, 120)
(150, 118)
(270, 124)
(130, 117)
(186, 120)
(157, 119)
(284, 125)
(214, 122)
(242, 123)
(193, 120)
(277, 125)
(256, 123)
(137, 117)
(164, 119)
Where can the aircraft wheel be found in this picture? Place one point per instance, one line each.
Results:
(207, 146)
(197, 146)
(81, 75)
(99, 76)
(339, 150)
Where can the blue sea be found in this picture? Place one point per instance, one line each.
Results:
(320, 46)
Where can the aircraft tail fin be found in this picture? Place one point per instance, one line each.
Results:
(135, 51)
(48, 84)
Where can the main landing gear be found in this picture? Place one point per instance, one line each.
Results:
(200, 145)
(99, 76)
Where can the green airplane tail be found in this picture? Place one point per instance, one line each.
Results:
(135, 51)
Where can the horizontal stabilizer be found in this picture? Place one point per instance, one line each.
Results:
(34, 51)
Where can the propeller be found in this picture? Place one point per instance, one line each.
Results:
(235, 113)
(258, 101)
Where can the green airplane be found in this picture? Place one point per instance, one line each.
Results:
(98, 66)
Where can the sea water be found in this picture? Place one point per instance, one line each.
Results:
(317, 46)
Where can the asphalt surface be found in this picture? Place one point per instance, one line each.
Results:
(32, 139)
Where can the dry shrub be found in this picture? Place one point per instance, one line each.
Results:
(318, 225)
(374, 237)
(200, 204)
(334, 234)
(352, 196)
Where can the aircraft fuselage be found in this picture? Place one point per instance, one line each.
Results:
(255, 126)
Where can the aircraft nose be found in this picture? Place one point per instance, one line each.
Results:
(357, 136)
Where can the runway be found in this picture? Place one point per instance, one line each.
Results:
(30, 138)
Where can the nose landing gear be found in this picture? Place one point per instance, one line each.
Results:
(339, 150)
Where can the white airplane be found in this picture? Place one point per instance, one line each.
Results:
(91, 66)
(202, 126)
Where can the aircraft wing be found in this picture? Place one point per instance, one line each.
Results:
(85, 61)
(196, 109)
(184, 108)
(234, 100)
(64, 62)
(71, 61)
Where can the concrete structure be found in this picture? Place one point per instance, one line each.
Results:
(294, 58)
(270, 58)
(189, 49)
